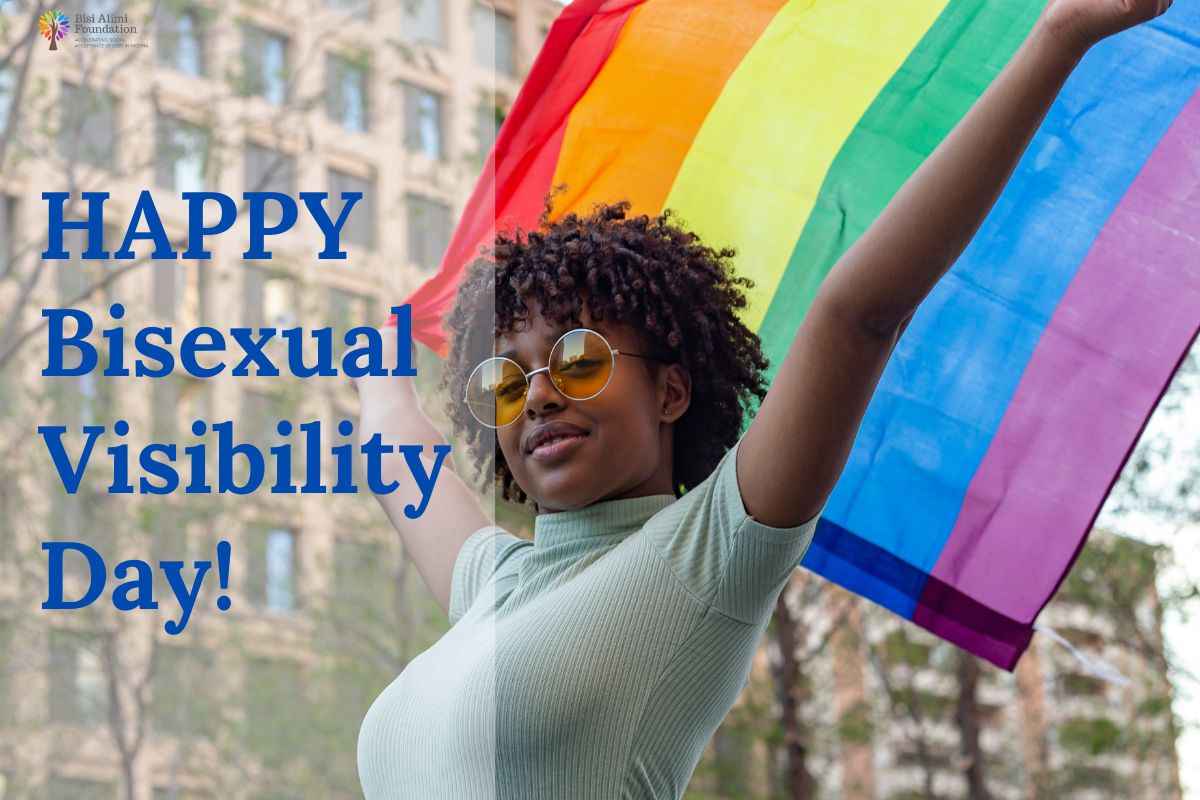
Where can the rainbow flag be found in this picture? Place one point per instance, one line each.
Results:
(783, 128)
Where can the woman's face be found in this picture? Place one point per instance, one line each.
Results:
(620, 440)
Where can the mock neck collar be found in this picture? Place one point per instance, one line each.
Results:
(606, 518)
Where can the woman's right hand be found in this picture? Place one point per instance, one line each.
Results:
(387, 394)
(391, 409)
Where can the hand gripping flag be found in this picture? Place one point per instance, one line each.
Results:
(782, 129)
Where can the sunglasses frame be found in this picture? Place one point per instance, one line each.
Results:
(613, 353)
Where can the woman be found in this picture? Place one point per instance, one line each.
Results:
(597, 661)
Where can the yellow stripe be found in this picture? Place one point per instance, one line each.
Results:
(754, 171)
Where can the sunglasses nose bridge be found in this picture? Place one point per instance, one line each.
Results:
(532, 393)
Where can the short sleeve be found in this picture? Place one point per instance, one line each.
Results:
(487, 554)
(723, 556)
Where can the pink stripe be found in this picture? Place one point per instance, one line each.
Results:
(1119, 333)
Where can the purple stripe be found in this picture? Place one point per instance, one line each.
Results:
(971, 625)
(1119, 333)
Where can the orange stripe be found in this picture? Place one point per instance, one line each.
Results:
(650, 99)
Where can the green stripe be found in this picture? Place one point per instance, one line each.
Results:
(954, 62)
(755, 168)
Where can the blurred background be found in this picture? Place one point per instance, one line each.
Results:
(401, 100)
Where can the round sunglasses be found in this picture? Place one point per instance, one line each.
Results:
(580, 366)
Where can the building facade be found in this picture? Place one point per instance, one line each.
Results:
(399, 101)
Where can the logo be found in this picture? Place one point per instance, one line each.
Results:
(53, 26)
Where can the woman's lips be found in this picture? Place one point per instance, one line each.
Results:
(557, 447)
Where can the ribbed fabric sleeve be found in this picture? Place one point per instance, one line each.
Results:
(724, 556)
(486, 554)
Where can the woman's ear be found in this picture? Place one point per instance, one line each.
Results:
(675, 389)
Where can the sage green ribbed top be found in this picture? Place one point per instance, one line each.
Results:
(594, 662)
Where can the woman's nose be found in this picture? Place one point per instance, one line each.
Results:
(543, 394)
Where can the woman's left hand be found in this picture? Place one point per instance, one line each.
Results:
(1082, 23)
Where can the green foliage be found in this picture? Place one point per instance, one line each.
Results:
(1085, 777)
(857, 725)
(1077, 685)
(898, 648)
(1159, 706)
(277, 718)
(1094, 736)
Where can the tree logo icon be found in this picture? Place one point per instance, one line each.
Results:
(53, 26)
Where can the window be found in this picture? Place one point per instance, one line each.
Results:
(265, 56)
(423, 121)
(72, 789)
(8, 230)
(78, 685)
(179, 705)
(270, 299)
(488, 119)
(359, 228)
(269, 170)
(181, 39)
(6, 93)
(81, 399)
(348, 310)
(270, 565)
(346, 93)
(170, 287)
(7, 667)
(88, 126)
(353, 8)
(179, 290)
(423, 22)
(494, 39)
(428, 230)
(182, 154)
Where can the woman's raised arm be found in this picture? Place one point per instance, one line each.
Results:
(797, 446)
(392, 409)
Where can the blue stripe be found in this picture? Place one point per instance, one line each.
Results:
(946, 387)
(864, 568)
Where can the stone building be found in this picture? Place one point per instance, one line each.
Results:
(397, 100)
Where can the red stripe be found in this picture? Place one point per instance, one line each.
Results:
(521, 165)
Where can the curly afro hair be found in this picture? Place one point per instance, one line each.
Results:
(679, 295)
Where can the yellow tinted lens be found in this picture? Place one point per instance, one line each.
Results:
(496, 392)
(581, 364)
